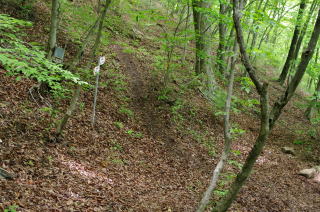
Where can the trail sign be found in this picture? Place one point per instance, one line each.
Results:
(96, 70)
(102, 60)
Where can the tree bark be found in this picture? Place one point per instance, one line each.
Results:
(294, 40)
(53, 27)
(222, 38)
(203, 33)
(198, 39)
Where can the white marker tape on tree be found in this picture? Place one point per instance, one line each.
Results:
(102, 60)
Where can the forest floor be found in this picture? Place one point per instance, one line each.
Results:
(146, 154)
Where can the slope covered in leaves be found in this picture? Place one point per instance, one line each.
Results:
(147, 152)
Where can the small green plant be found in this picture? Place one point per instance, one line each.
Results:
(135, 134)
(312, 133)
(130, 132)
(129, 50)
(164, 94)
(236, 152)
(298, 142)
(126, 111)
(235, 163)
(29, 163)
(118, 124)
(11, 208)
(51, 111)
(116, 146)
(220, 192)
(246, 84)
(50, 159)
(117, 161)
(236, 132)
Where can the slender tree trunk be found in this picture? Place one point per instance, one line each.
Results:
(255, 30)
(199, 60)
(227, 137)
(185, 33)
(308, 112)
(294, 40)
(222, 40)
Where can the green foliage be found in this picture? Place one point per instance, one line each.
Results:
(51, 111)
(219, 102)
(11, 208)
(116, 146)
(246, 103)
(77, 18)
(246, 84)
(235, 163)
(118, 124)
(19, 57)
(236, 132)
(220, 192)
(298, 142)
(23, 9)
(135, 134)
(236, 152)
(126, 111)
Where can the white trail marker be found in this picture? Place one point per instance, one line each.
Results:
(96, 72)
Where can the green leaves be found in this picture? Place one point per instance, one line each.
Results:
(19, 57)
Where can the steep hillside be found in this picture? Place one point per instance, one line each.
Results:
(150, 150)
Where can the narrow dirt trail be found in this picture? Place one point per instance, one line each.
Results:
(144, 99)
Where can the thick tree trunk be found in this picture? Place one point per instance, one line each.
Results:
(293, 44)
(199, 60)
(53, 27)
(203, 32)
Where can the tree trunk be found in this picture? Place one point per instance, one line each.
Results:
(203, 31)
(198, 38)
(53, 27)
(267, 121)
(222, 40)
(227, 137)
(294, 40)
(308, 112)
